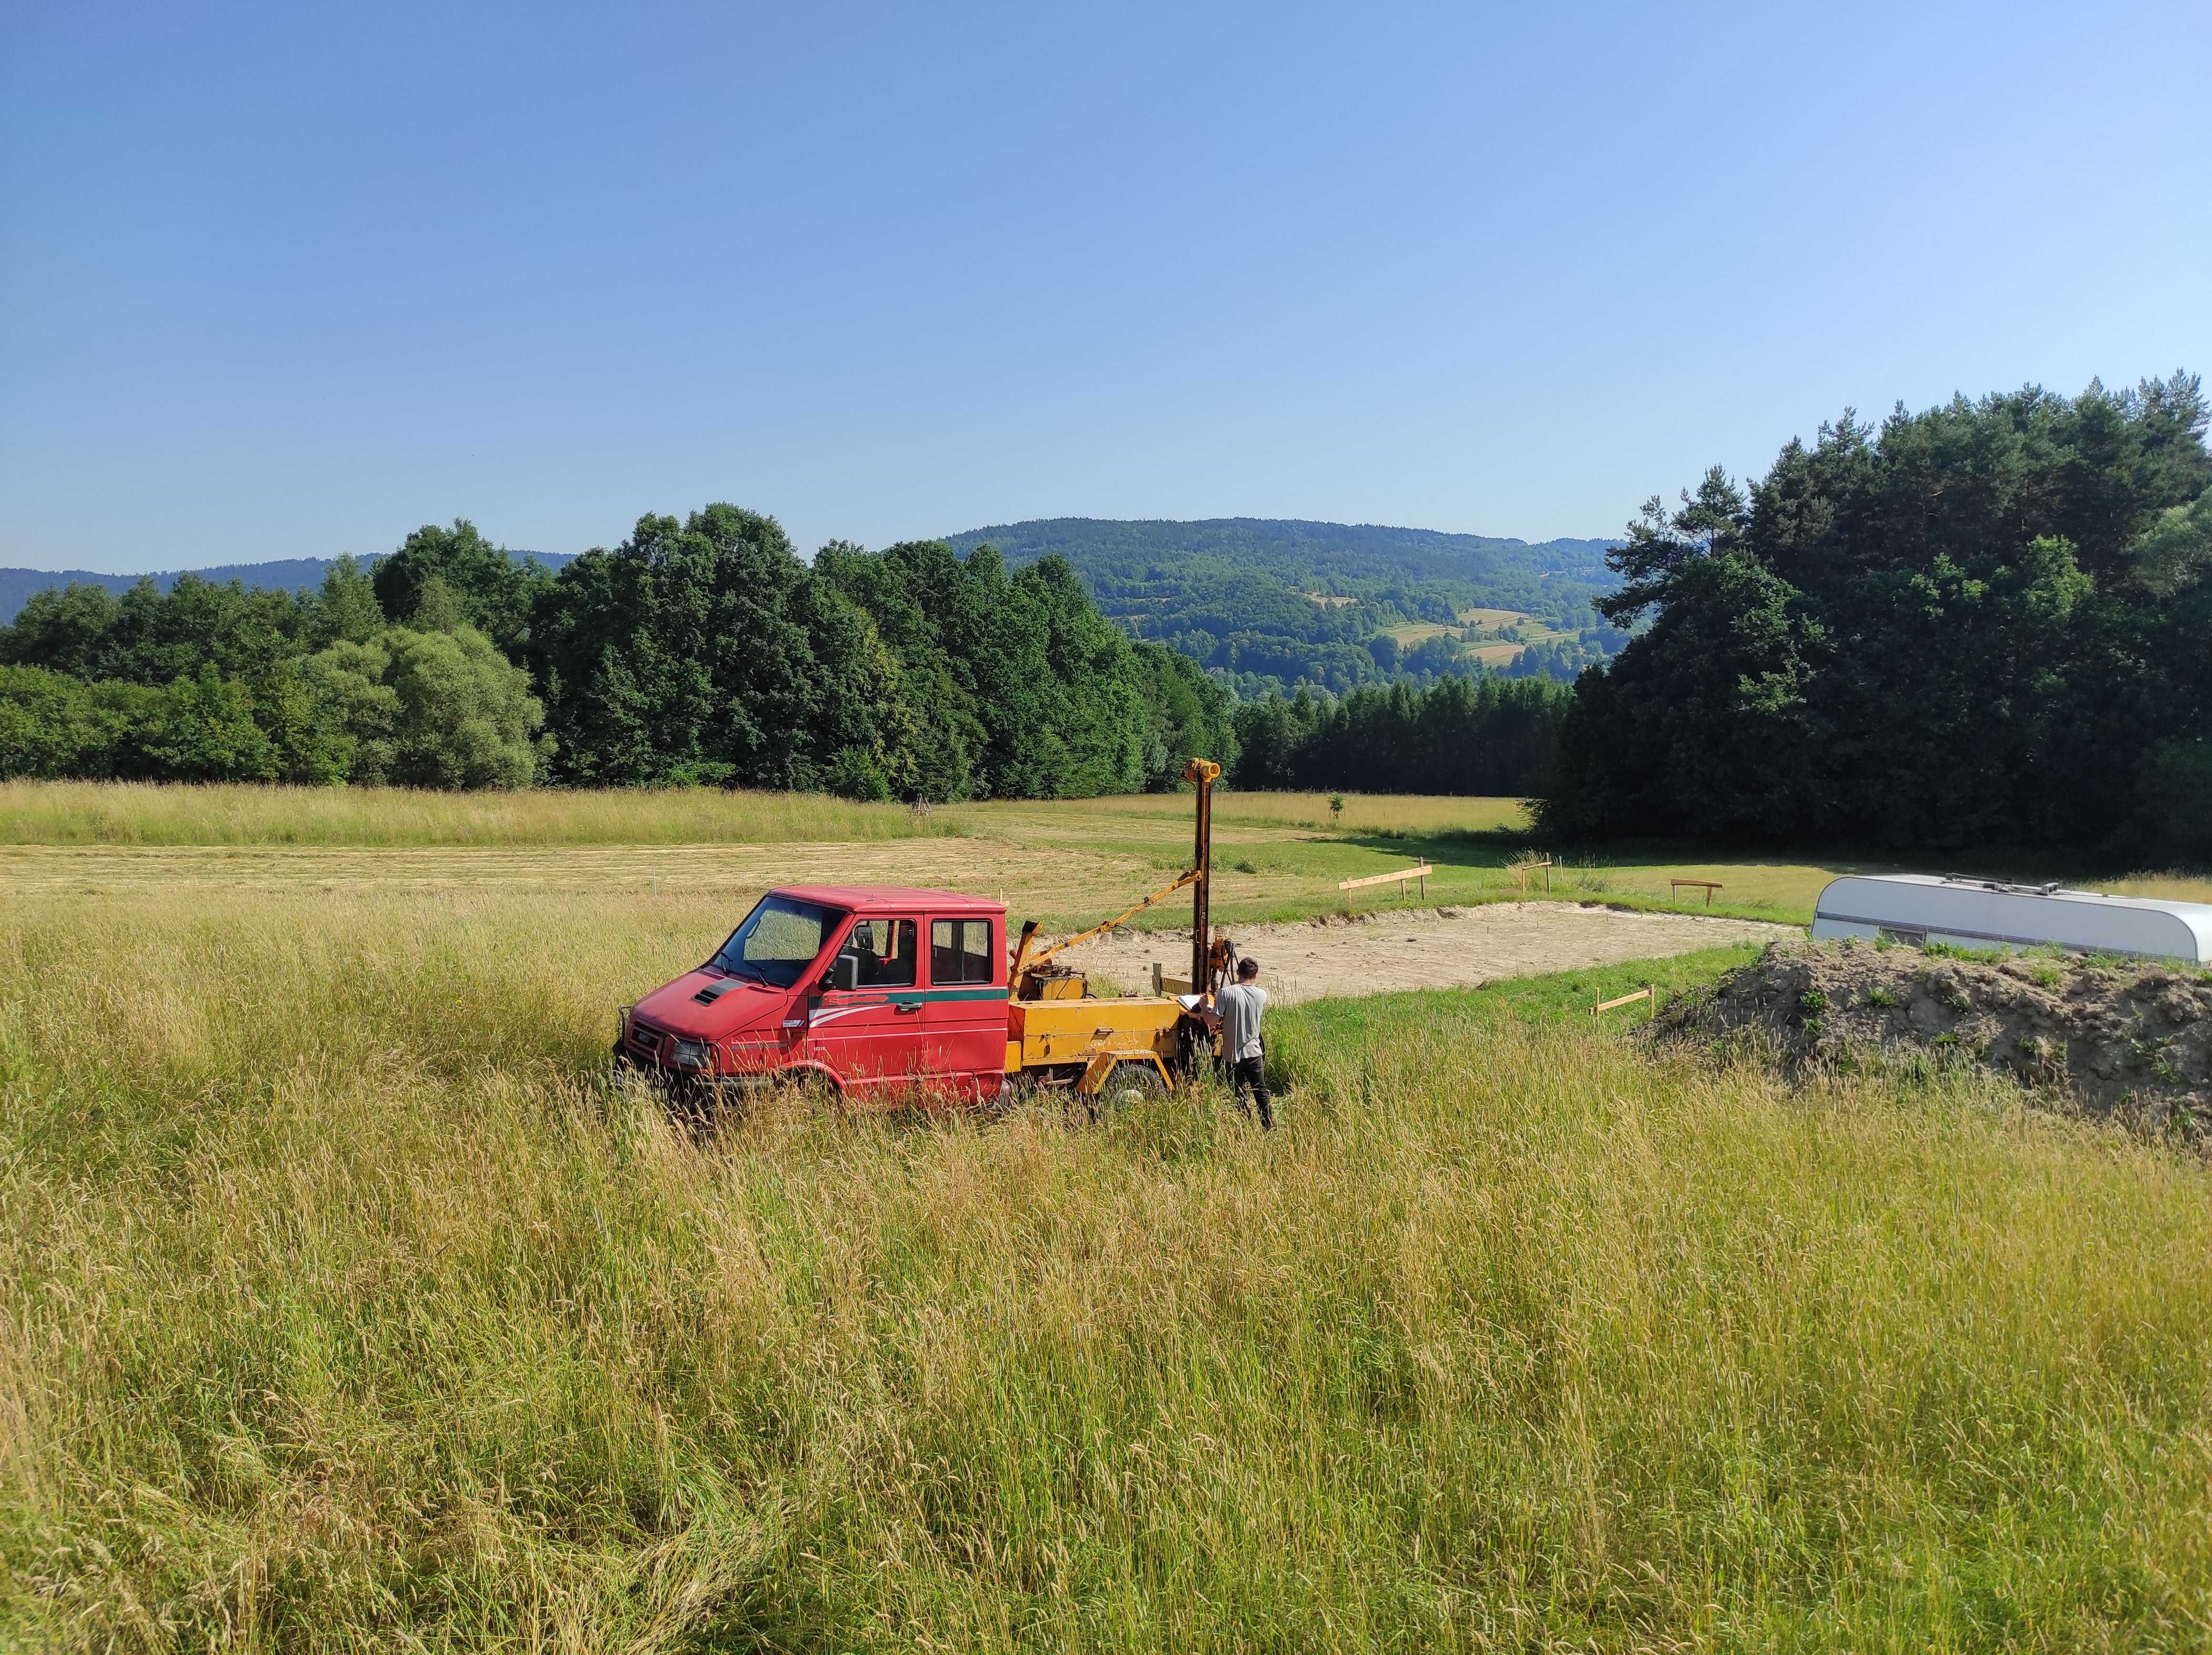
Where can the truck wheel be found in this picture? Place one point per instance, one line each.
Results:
(810, 1089)
(1130, 1081)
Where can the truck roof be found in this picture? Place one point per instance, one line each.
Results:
(878, 898)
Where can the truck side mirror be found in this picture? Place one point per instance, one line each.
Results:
(844, 973)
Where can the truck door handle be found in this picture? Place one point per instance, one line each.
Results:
(905, 1006)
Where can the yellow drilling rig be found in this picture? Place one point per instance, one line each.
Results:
(1060, 1034)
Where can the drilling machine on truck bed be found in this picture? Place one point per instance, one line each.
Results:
(1060, 1034)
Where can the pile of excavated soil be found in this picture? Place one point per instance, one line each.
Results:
(2133, 1039)
(1394, 949)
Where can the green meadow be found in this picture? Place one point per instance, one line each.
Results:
(345, 1305)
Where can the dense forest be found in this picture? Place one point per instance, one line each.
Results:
(1269, 604)
(697, 652)
(1984, 624)
(1487, 736)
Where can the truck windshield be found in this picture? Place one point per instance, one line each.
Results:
(777, 940)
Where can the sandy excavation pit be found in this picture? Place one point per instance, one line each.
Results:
(1425, 947)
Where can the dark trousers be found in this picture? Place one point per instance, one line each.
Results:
(1250, 1074)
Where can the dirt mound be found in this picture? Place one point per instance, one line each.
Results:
(2134, 1039)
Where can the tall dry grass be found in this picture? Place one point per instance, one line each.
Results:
(166, 813)
(2176, 887)
(341, 1307)
(1415, 814)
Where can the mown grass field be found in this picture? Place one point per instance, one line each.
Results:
(343, 1306)
(150, 813)
(1278, 855)
(1412, 633)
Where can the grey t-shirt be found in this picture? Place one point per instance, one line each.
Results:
(1240, 1005)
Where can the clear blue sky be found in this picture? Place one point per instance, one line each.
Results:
(288, 281)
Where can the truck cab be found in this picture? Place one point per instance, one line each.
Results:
(881, 991)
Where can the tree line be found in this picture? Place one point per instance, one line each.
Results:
(1487, 736)
(702, 651)
(1983, 624)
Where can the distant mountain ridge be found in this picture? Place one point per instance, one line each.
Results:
(1420, 554)
(282, 574)
(1272, 602)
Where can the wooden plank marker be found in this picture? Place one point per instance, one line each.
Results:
(1420, 873)
(1524, 869)
(1644, 993)
(1710, 885)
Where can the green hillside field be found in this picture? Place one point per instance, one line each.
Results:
(1273, 603)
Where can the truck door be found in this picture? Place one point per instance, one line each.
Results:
(870, 1033)
(967, 1014)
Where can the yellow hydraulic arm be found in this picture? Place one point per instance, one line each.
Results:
(1024, 963)
(1201, 773)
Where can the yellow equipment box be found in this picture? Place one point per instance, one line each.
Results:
(1042, 1034)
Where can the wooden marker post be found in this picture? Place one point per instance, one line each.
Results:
(1420, 873)
(1524, 869)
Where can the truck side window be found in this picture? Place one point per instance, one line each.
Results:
(886, 950)
(959, 951)
(975, 950)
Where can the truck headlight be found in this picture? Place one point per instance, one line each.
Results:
(692, 1054)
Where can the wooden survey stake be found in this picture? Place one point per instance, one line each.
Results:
(1644, 993)
(1420, 873)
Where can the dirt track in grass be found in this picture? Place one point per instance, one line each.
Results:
(1425, 947)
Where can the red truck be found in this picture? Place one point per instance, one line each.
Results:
(871, 988)
(883, 990)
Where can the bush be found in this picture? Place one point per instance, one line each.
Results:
(422, 709)
(433, 710)
(201, 728)
(54, 725)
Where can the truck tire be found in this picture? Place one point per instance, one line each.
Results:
(1132, 1081)
(810, 1089)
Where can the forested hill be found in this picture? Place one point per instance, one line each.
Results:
(291, 574)
(1275, 602)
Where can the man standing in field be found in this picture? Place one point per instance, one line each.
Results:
(1236, 1013)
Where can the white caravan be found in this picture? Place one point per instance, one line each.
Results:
(1986, 913)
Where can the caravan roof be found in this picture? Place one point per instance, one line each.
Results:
(1990, 913)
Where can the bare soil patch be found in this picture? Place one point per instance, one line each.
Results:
(1425, 947)
(2133, 1041)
